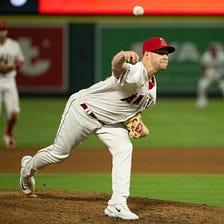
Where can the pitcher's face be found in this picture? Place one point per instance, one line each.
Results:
(160, 59)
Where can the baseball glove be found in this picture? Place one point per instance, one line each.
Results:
(136, 127)
(7, 64)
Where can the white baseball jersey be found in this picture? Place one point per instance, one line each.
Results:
(10, 51)
(214, 66)
(115, 100)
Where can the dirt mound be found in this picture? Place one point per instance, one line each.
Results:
(77, 207)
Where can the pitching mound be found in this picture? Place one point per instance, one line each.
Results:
(64, 207)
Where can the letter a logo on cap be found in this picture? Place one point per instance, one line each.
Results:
(163, 42)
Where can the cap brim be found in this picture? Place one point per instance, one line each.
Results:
(169, 48)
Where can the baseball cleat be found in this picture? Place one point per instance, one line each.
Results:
(120, 211)
(27, 183)
(9, 141)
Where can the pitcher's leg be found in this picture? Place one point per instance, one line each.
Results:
(41, 159)
(121, 172)
(117, 140)
(70, 134)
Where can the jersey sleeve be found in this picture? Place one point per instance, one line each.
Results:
(135, 74)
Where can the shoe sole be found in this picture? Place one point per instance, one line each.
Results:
(28, 191)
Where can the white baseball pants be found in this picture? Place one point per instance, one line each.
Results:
(75, 127)
(9, 95)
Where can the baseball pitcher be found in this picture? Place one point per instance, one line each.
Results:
(111, 110)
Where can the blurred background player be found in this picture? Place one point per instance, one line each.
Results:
(11, 58)
(212, 69)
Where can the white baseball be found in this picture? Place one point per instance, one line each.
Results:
(18, 3)
(138, 10)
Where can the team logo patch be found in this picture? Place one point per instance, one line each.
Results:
(139, 128)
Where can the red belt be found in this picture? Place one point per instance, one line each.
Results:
(85, 107)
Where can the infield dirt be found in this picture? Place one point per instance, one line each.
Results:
(64, 207)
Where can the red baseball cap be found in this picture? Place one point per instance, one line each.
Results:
(3, 25)
(156, 43)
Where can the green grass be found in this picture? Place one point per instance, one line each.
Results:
(199, 189)
(38, 121)
(172, 123)
(178, 123)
